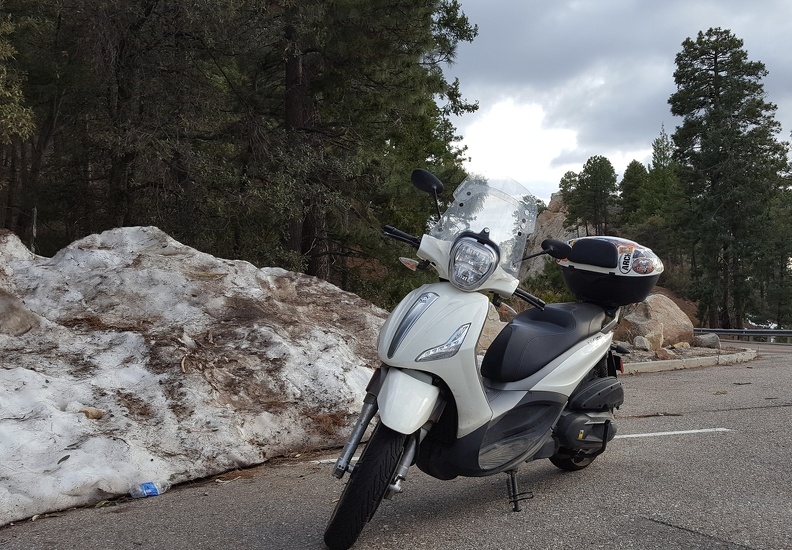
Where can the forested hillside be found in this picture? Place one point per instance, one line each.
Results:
(277, 132)
(284, 133)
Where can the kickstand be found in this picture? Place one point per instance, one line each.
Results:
(515, 496)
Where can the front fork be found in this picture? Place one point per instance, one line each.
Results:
(367, 413)
(410, 449)
(343, 464)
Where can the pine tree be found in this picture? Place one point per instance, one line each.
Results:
(590, 194)
(730, 163)
(773, 291)
(633, 189)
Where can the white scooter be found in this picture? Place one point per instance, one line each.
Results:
(545, 388)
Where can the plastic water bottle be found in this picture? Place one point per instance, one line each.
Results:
(148, 489)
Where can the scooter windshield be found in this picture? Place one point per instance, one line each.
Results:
(501, 205)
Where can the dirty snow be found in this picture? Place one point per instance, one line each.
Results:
(147, 360)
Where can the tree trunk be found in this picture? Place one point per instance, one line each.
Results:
(11, 176)
(119, 179)
(725, 305)
(301, 116)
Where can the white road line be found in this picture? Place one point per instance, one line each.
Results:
(655, 434)
(683, 432)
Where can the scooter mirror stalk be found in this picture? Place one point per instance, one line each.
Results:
(428, 183)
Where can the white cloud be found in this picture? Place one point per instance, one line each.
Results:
(509, 140)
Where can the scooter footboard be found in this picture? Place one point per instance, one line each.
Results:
(406, 400)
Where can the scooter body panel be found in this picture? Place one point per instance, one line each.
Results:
(521, 427)
(567, 375)
(427, 319)
(406, 400)
(497, 426)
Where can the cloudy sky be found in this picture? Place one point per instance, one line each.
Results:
(559, 81)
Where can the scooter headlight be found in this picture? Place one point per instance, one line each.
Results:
(471, 263)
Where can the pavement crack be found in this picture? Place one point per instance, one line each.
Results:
(730, 544)
(651, 415)
(728, 409)
(751, 408)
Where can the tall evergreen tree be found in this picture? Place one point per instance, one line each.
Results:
(633, 189)
(365, 86)
(655, 207)
(590, 194)
(773, 291)
(663, 192)
(567, 186)
(730, 163)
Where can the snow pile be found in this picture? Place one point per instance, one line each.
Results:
(141, 359)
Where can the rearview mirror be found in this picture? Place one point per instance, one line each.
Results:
(426, 181)
(555, 248)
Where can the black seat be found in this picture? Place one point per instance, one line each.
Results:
(535, 337)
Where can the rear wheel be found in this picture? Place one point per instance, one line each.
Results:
(366, 488)
(570, 461)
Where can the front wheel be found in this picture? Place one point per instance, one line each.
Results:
(366, 487)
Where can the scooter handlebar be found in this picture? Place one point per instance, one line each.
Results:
(399, 235)
(530, 298)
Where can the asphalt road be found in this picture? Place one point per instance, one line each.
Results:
(671, 486)
(767, 349)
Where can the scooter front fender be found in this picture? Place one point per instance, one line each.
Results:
(406, 400)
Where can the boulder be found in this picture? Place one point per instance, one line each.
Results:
(640, 329)
(707, 341)
(659, 320)
(664, 354)
(642, 343)
(677, 327)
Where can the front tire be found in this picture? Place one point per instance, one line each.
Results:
(366, 487)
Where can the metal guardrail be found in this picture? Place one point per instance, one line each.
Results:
(771, 336)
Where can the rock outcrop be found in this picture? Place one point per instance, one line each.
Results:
(549, 225)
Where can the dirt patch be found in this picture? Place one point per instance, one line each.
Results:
(92, 322)
(136, 407)
(329, 423)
